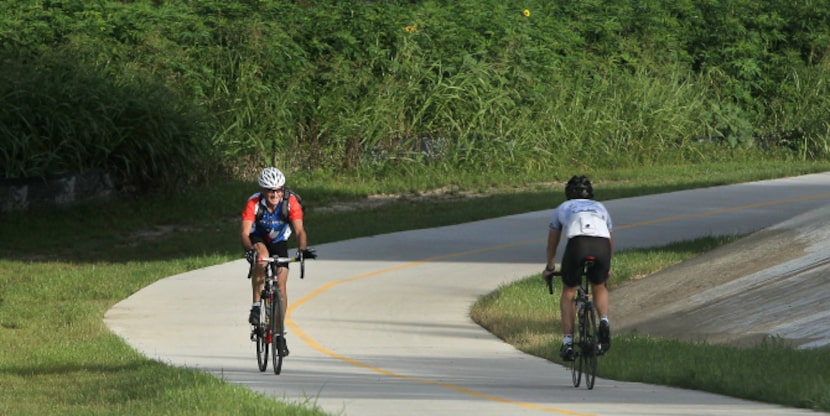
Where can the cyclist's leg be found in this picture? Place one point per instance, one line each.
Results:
(282, 278)
(570, 280)
(598, 275)
(601, 303)
(567, 309)
(600, 249)
(282, 281)
(257, 279)
(281, 249)
(601, 299)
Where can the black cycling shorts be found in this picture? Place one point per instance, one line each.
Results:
(279, 248)
(576, 250)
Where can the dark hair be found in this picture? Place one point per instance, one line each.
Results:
(579, 187)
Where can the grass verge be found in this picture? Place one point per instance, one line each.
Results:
(61, 269)
(523, 317)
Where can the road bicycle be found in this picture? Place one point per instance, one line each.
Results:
(268, 333)
(586, 342)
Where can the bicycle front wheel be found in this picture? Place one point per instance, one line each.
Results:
(589, 352)
(276, 331)
(576, 369)
(262, 341)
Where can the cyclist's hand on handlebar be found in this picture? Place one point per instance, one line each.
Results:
(308, 253)
(547, 274)
(251, 256)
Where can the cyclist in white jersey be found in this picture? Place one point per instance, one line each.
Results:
(587, 226)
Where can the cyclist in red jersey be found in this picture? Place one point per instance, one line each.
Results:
(268, 220)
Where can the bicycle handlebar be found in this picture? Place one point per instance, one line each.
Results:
(286, 260)
(550, 282)
(281, 260)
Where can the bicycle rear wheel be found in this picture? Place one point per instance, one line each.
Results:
(262, 341)
(589, 350)
(276, 331)
(577, 363)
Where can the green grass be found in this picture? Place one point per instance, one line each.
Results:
(519, 315)
(61, 269)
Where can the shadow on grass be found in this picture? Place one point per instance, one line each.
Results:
(205, 221)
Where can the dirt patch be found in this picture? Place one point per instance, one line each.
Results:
(446, 194)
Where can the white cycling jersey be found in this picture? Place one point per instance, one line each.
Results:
(582, 217)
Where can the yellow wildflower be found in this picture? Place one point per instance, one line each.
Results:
(526, 12)
(411, 28)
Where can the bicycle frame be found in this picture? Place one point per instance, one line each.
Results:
(587, 342)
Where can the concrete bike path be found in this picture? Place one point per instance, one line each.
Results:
(380, 325)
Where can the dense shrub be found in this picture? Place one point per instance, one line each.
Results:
(59, 116)
(388, 85)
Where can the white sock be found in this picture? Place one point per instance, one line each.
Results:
(568, 339)
(605, 318)
(256, 304)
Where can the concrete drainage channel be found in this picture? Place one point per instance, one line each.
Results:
(56, 190)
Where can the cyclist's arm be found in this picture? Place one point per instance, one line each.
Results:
(295, 217)
(553, 243)
(299, 229)
(248, 218)
(244, 235)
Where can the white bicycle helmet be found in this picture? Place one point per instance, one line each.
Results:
(271, 178)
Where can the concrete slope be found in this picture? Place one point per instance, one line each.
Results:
(380, 325)
(774, 283)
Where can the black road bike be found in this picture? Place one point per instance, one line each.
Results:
(268, 334)
(586, 342)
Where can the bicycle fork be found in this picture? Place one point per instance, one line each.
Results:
(268, 294)
(263, 330)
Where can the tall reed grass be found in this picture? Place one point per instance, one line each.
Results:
(385, 87)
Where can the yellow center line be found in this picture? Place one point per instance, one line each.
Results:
(317, 346)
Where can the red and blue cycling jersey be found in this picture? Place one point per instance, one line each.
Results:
(270, 225)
